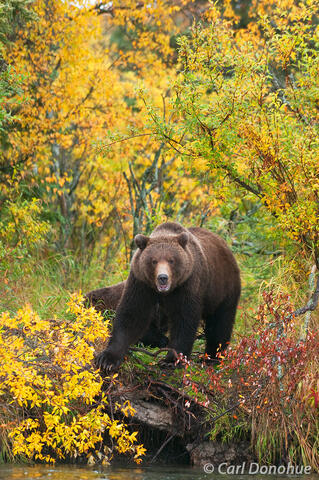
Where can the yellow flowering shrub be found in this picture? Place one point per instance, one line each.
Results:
(52, 405)
(22, 225)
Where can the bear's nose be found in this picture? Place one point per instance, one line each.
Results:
(162, 279)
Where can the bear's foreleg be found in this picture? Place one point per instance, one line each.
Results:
(132, 320)
(108, 298)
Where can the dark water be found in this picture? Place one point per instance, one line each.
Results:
(40, 472)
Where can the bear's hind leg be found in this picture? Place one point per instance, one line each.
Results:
(218, 329)
(155, 335)
(184, 314)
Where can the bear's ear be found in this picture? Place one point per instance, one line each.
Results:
(141, 241)
(182, 239)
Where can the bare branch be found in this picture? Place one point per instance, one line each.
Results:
(313, 301)
(124, 139)
(161, 447)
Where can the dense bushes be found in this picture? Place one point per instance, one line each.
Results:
(52, 404)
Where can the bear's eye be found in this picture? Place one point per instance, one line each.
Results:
(154, 262)
(171, 261)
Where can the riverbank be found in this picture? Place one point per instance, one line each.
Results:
(258, 404)
(250, 408)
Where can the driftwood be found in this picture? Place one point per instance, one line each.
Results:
(154, 416)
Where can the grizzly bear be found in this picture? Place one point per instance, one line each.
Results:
(108, 298)
(192, 275)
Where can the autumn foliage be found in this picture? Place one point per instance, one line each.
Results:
(109, 132)
(115, 117)
(260, 388)
(245, 105)
(52, 402)
(79, 89)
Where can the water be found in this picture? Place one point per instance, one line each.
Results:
(41, 472)
(69, 472)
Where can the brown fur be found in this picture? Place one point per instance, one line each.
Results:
(201, 282)
(108, 298)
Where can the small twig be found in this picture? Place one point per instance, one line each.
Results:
(84, 99)
(223, 413)
(151, 354)
(125, 139)
(161, 447)
(170, 399)
(172, 389)
(181, 394)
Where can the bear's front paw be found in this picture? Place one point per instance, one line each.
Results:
(107, 361)
(171, 361)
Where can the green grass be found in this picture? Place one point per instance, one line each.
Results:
(46, 281)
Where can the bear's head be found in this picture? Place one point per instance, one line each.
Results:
(163, 262)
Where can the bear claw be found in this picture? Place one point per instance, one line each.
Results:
(107, 362)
